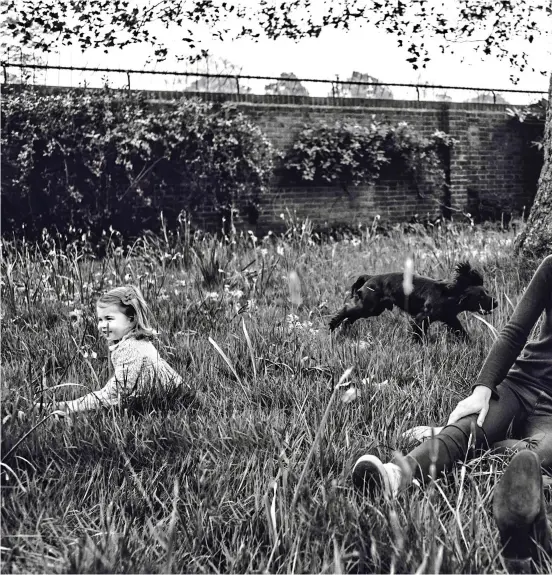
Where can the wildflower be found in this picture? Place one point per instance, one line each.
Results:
(292, 318)
(381, 384)
(350, 395)
(92, 354)
(280, 250)
(76, 317)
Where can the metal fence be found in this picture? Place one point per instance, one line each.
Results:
(134, 79)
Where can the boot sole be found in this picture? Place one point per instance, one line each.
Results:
(516, 504)
(369, 475)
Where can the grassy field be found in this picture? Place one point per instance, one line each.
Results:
(254, 476)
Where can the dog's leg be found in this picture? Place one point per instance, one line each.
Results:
(453, 324)
(338, 318)
(366, 302)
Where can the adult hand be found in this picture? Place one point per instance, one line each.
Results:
(477, 402)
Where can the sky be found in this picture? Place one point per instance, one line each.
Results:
(335, 53)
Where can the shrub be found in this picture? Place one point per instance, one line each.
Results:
(343, 154)
(95, 159)
(351, 155)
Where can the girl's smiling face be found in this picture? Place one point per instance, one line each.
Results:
(113, 324)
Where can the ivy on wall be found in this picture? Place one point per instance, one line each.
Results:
(348, 155)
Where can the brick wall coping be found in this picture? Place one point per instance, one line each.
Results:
(297, 101)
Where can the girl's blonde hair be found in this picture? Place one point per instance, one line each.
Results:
(132, 303)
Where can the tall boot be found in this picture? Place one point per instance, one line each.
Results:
(520, 513)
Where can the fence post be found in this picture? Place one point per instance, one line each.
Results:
(238, 84)
(128, 80)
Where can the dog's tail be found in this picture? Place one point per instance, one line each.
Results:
(359, 283)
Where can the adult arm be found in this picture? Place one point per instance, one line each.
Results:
(515, 333)
(508, 346)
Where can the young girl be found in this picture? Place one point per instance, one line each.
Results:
(123, 320)
(514, 388)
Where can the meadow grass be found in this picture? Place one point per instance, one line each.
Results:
(252, 475)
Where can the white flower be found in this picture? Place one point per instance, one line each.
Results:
(76, 317)
(280, 250)
(350, 395)
(381, 384)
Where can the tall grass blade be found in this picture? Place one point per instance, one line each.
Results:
(14, 447)
(250, 347)
(492, 329)
(341, 383)
(5, 466)
(226, 360)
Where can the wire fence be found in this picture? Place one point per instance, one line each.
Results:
(358, 86)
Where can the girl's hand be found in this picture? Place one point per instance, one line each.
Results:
(477, 402)
(56, 414)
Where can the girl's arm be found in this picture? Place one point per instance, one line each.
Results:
(129, 374)
(104, 397)
(513, 337)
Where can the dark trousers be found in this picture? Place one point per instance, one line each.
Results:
(522, 411)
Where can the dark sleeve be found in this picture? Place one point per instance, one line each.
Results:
(513, 336)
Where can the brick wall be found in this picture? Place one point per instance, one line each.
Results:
(489, 174)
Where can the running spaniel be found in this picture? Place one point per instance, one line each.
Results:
(431, 300)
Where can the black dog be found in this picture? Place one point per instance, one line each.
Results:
(431, 300)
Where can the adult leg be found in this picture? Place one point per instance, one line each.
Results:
(536, 431)
(454, 442)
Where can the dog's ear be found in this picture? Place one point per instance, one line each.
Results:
(467, 276)
(359, 283)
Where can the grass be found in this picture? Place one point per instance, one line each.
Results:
(255, 476)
